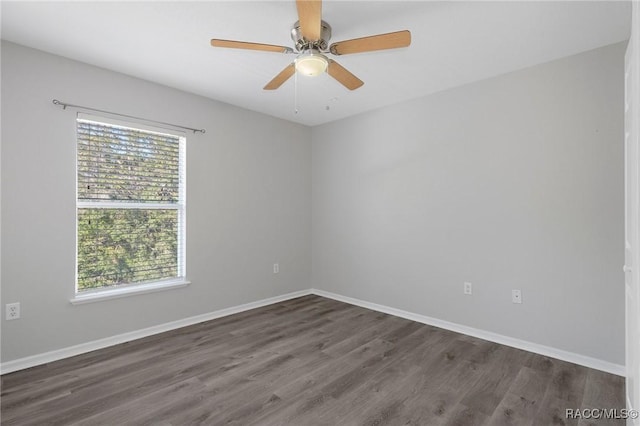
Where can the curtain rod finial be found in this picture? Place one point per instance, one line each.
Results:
(57, 102)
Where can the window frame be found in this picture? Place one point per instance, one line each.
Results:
(122, 290)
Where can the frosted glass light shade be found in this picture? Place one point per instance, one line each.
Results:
(311, 64)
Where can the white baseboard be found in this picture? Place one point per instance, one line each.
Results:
(572, 357)
(32, 361)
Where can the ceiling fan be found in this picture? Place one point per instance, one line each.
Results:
(311, 37)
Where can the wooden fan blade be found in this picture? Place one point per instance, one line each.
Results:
(371, 43)
(250, 46)
(341, 74)
(310, 15)
(284, 75)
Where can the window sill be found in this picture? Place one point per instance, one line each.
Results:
(117, 293)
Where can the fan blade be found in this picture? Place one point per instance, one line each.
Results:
(251, 46)
(310, 15)
(371, 43)
(284, 75)
(341, 74)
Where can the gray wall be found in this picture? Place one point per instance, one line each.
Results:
(249, 186)
(511, 183)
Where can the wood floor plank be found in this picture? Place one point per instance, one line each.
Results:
(461, 415)
(520, 404)
(603, 392)
(392, 383)
(144, 407)
(440, 391)
(328, 384)
(565, 390)
(308, 361)
(499, 374)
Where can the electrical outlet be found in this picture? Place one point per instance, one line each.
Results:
(516, 296)
(276, 268)
(467, 288)
(12, 311)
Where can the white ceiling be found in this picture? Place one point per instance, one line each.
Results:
(453, 43)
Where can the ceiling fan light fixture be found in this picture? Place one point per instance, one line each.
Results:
(311, 63)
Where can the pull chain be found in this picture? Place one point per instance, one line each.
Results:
(295, 92)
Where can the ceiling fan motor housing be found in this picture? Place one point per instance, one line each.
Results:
(302, 44)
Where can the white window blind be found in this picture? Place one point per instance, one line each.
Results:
(130, 205)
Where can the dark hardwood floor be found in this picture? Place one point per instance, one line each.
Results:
(307, 361)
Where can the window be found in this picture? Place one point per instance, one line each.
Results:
(130, 206)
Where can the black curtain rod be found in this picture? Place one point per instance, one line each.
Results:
(64, 105)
